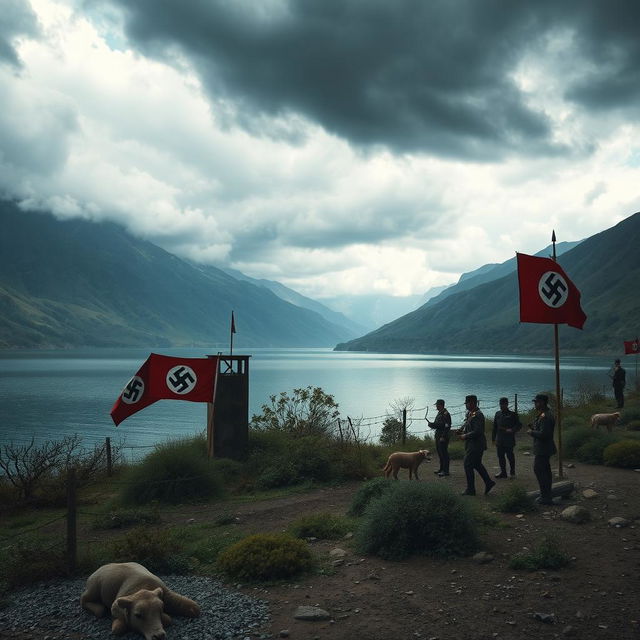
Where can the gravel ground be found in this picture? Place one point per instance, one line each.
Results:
(51, 610)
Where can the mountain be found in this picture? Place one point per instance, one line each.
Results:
(604, 267)
(495, 271)
(285, 293)
(79, 283)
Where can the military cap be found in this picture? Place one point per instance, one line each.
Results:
(439, 401)
(471, 398)
(504, 400)
(617, 361)
(542, 397)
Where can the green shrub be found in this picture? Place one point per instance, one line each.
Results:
(324, 526)
(573, 421)
(122, 518)
(157, 549)
(280, 475)
(417, 518)
(592, 451)
(625, 454)
(633, 425)
(631, 413)
(174, 473)
(266, 557)
(547, 555)
(30, 560)
(367, 492)
(573, 439)
(514, 499)
(204, 542)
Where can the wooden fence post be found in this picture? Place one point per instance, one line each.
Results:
(109, 460)
(404, 426)
(71, 521)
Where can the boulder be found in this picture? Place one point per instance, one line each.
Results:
(312, 614)
(576, 514)
(619, 522)
(590, 494)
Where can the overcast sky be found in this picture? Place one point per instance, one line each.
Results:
(338, 146)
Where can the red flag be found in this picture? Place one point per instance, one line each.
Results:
(547, 295)
(631, 347)
(166, 377)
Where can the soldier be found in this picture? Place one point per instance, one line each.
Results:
(475, 443)
(442, 426)
(543, 446)
(619, 379)
(505, 425)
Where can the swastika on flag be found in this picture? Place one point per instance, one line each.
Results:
(553, 289)
(181, 379)
(134, 390)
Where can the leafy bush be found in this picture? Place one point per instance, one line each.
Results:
(625, 454)
(174, 473)
(547, 555)
(266, 557)
(573, 421)
(157, 549)
(367, 492)
(417, 518)
(324, 526)
(633, 425)
(514, 499)
(30, 560)
(592, 451)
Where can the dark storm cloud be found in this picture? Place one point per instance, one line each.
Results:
(16, 19)
(411, 75)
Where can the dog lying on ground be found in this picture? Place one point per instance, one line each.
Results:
(138, 600)
(401, 460)
(604, 419)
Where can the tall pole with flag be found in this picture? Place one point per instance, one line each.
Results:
(233, 330)
(556, 353)
(547, 296)
(632, 347)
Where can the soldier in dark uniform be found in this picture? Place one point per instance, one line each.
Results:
(442, 426)
(505, 425)
(543, 446)
(475, 443)
(619, 379)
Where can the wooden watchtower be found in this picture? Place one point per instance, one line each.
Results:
(228, 427)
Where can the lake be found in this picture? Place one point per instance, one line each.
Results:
(50, 394)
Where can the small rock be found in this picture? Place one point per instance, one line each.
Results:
(348, 536)
(571, 466)
(284, 633)
(337, 563)
(576, 514)
(619, 522)
(409, 593)
(483, 557)
(191, 520)
(526, 453)
(337, 553)
(590, 493)
(547, 618)
(612, 496)
(568, 630)
(311, 613)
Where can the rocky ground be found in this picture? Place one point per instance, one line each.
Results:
(475, 599)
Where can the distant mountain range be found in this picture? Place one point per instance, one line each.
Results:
(79, 283)
(477, 316)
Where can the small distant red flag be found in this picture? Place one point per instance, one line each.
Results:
(631, 347)
(547, 295)
(166, 377)
(233, 323)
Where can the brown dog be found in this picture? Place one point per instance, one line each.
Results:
(401, 460)
(604, 419)
(138, 600)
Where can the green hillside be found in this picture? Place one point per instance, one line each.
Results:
(78, 283)
(606, 269)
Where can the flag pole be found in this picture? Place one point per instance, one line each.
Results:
(556, 350)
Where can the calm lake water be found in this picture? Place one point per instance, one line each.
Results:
(50, 394)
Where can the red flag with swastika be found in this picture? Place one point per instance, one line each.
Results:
(167, 377)
(631, 347)
(547, 295)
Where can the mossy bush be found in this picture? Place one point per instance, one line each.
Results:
(367, 492)
(175, 472)
(514, 499)
(157, 549)
(324, 526)
(546, 555)
(30, 560)
(592, 451)
(418, 518)
(265, 557)
(624, 454)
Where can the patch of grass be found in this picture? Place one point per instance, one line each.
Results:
(266, 557)
(324, 526)
(547, 555)
(514, 499)
(123, 518)
(624, 454)
(367, 492)
(418, 518)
